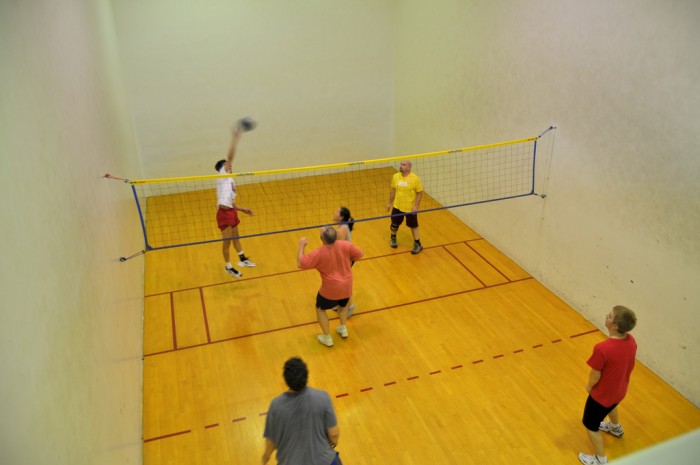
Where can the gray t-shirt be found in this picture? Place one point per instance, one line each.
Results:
(297, 423)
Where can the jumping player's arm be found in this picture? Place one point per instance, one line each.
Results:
(232, 149)
(593, 378)
(247, 211)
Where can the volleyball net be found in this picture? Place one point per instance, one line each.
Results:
(177, 212)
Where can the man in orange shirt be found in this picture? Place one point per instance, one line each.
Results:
(332, 260)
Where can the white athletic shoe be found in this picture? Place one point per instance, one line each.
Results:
(325, 339)
(233, 272)
(247, 263)
(342, 330)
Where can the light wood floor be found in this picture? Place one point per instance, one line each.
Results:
(455, 355)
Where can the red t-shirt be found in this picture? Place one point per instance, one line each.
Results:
(614, 358)
(333, 263)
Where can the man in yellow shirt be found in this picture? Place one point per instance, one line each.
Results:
(404, 199)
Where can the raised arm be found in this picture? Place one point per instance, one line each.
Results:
(236, 134)
(300, 254)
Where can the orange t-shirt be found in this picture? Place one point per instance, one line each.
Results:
(333, 263)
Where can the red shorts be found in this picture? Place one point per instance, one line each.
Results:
(227, 217)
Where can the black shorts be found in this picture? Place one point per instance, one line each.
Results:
(397, 218)
(594, 413)
(328, 304)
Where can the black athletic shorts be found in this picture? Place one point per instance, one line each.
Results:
(328, 304)
(594, 413)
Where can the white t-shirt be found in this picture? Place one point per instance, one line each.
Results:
(225, 189)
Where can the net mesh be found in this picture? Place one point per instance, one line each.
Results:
(182, 211)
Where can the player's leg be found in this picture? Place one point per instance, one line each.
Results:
(323, 304)
(412, 222)
(242, 259)
(343, 316)
(396, 220)
(227, 234)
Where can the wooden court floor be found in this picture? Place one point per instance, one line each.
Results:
(455, 355)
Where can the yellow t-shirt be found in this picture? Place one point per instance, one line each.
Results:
(406, 190)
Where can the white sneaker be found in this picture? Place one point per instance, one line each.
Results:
(587, 459)
(233, 272)
(342, 330)
(614, 430)
(351, 309)
(247, 263)
(325, 339)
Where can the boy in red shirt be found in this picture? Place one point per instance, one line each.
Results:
(611, 366)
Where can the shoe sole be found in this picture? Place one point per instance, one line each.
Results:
(239, 275)
(249, 266)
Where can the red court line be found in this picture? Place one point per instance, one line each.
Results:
(465, 266)
(313, 323)
(204, 312)
(390, 383)
(583, 334)
(211, 426)
(271, 275)
(262, 414)
(490, 264)
(165, 436)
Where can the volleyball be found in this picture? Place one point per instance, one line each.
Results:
(247, 123)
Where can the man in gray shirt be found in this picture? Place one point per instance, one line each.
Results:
(301, 423)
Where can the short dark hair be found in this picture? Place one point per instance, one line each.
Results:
(624, 318)
(219, 164)
(329, 235)
(296, 374)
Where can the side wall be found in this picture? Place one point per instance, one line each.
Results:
(71, 332)
(621, 217)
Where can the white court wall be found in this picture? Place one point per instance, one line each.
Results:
(316, 75)
(620, 221)
(71, 332)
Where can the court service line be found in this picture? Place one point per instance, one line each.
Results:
(368, 389)
(309, 323)
(280, 273)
